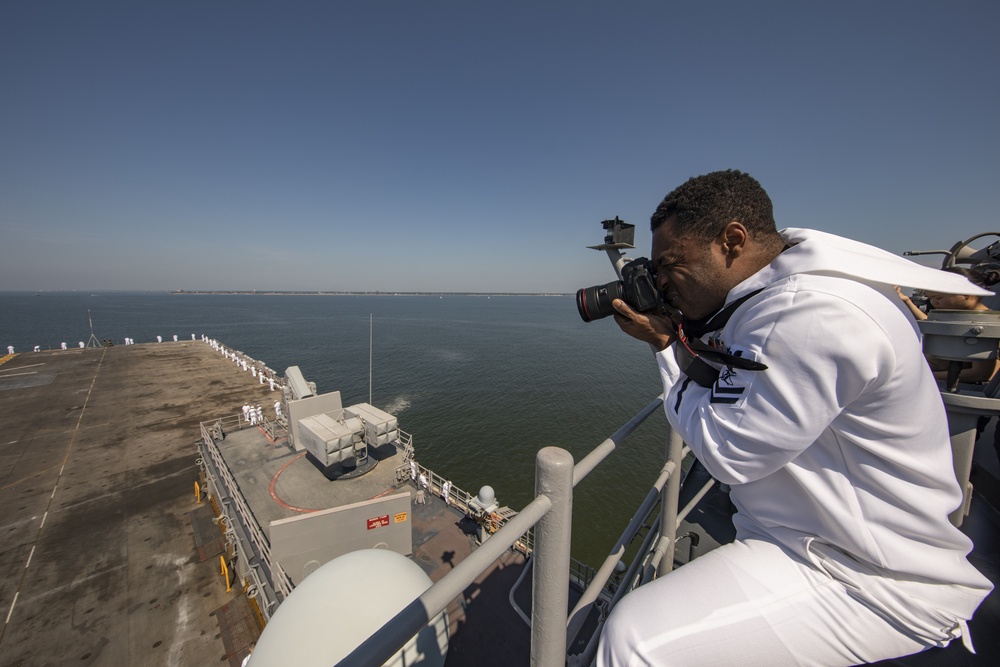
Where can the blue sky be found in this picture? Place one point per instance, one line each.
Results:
(470, 146)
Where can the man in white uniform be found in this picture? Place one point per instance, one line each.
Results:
(809, 396)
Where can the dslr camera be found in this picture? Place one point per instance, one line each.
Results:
(637, 286)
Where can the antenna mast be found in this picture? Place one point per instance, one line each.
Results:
(369, 358)
(92, 342)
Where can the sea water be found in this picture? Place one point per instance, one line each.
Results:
(482, 383)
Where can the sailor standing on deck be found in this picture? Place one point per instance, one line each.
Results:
(801, 398)
(260, 415)
(10, 349)
(277, 409)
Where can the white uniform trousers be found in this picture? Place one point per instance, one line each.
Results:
(750, 603)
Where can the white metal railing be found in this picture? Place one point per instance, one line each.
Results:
(266, 578)
(550, 513)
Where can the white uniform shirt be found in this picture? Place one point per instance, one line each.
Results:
(843, 440)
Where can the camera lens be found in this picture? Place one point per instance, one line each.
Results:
(595, 302)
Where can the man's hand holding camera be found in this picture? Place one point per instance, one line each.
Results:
(660, 331)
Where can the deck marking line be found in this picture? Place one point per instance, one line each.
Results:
(69, 448)
(11, 442)
(10, 375)
(274, 480)
(22, 367)
(25, 479)
(83, 408)
(53, 492)
(12, 603)
(30, 555)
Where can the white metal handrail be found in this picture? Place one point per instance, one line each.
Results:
(268, 578)
(551, 510)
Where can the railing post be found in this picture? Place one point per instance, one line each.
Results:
(550, 577)
(668, 506)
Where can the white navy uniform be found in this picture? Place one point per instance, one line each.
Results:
(839, 463)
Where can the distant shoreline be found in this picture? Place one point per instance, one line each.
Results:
(277, 293)
(325, 293)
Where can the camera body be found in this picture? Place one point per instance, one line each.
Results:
(637, 288)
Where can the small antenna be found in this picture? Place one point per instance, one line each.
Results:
(369, 358)
(92, 342)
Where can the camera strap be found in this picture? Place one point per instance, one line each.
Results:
(694, 354)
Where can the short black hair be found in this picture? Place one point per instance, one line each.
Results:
(704, 205)
(984, 277)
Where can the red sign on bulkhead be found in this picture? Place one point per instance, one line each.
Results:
(378, 521)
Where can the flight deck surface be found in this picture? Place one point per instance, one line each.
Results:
(97, 457)
(106, 556)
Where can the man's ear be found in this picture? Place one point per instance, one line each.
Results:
(733, 239)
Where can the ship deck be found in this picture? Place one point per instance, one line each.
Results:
(98, 565)
(107, 557)
(280, 483)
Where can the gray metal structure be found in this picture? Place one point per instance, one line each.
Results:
(960, 337)
(333, 434)
(269, 583)
(302, 544)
